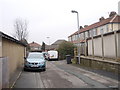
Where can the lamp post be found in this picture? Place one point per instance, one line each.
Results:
(73, 11)
(48, 42)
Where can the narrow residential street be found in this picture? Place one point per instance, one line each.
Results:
(61, 75)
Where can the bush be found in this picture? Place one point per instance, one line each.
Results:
(66, 48)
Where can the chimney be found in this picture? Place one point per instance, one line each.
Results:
(81, 27)
(113, 13)
(102, 18)
(85, 26)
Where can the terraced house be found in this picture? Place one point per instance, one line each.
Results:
(100, 39)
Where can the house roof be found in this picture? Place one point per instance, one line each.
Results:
(58, 42)
(34, 44)
(5, 36)
(55, 45)
(113, 19)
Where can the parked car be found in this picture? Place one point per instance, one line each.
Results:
(53, 55)
(46, 56)
(35, 61)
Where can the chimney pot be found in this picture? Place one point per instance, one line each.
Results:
(85, 26)
(102, 18)
(113, 13)
(81, 27)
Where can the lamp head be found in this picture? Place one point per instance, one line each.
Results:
(73, 11)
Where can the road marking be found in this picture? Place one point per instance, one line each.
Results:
(16, 80)
(39, 82)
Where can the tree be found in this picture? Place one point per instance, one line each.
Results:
(66, 48)
(20, 29)
(43, 46)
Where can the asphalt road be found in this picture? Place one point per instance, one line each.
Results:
(61, 75)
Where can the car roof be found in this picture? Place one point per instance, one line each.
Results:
(52, 51)
(44, 52)
(35, 53)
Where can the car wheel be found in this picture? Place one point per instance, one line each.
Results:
(44, 69)
(25, 69)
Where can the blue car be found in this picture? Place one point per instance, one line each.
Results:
(35, 61)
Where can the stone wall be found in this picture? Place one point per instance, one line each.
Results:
(96, 63)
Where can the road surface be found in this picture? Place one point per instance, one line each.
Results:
(61, 75)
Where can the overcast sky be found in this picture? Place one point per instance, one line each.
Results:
(52, 18)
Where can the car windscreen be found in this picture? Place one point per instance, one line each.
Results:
(39, 56)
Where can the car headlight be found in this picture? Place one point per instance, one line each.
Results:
(26, 62)
(42, 62)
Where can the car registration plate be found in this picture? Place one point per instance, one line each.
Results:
(34, 66)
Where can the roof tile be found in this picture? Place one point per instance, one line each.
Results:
(114, 19)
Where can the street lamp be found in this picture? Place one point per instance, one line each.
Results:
(48, 42)
(73, 11)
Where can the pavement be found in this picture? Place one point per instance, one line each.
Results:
(61, 75)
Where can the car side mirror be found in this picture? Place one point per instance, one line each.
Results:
(24, 57)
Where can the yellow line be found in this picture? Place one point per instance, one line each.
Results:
(16, 80)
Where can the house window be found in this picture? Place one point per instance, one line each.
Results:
(101, 31)
(86, 34)
(107, 30)
(94, 32)
(35, 48)
(70, 38)
(91, 33)
(76, 37)
(82, 36)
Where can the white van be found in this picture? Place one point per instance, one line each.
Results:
(53, 55)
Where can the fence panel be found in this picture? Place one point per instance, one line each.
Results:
(5, 73)
(106, 46)
(90, 47)
(0, 73)
(118, 45)
(109, 46)
(97, 47)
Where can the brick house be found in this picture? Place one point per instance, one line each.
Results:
(35, 46)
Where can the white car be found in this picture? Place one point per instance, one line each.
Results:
(53, 55)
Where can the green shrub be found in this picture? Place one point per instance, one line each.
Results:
(66, 48)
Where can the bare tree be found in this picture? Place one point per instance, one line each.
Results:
(20, 29)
